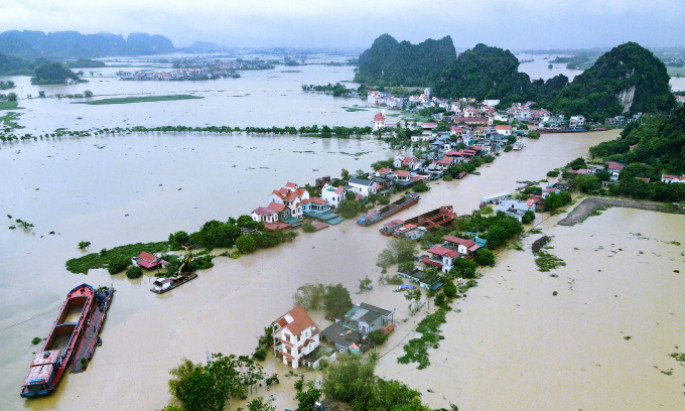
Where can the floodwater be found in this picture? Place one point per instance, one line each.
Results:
(114, 190)
(600, 344)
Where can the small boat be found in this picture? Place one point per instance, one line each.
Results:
(162, 285)
(49, 365)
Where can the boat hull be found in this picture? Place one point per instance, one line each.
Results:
(389, 210)
(50, 364)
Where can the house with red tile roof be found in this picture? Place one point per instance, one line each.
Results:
(264, 215)
(464, 246)
(333, 195)
(148, 261)
(441, 258)
(379, 121)
(503, 130)
(291, 196)
(295, 336)
(670, 178)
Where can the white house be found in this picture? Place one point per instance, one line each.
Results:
(379, 121)
(669, 178)
(441, 257)
(576, 121)
(333, 195)
(465, 247)
(363, 187)
(503, 130)
(412, 163)
(295, 336)
(264, 215)
(291, 196)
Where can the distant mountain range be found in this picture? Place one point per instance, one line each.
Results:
(31, 45)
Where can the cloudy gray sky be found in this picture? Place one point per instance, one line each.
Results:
(514, 24)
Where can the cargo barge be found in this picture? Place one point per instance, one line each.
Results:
(393, 208)
(426, 221)
(91, 335)
(50, 364)
(561, 130)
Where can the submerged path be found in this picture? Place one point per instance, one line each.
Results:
(591, 204)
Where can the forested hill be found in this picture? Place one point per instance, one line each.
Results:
(627, 79)
(72, 45)
(491, 73)
(13, 65)
(657, 141)
(389, 63)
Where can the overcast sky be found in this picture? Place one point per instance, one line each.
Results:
(513, 24)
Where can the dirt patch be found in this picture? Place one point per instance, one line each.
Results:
(539, 243)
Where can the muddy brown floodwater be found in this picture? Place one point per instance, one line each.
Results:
(512, 346)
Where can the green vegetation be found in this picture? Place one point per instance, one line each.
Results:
(680, 357)
(554, 200)
(83, 245)
(420, 187)
(546, 261)
(8, 105)
(553, 173)
(84, 63)
(7, 85)
(389, 63)
(36, 340)
(484, 257)
(211, 386)
(118, 263)
(52, 73)
(337, 300)
(134, 272)
(398, 251)
(337, 90)
(658, 142)
(310, 296)
(99, 260)
(144, 99)
(308, 228)
(594, 93)
(351, 380)
(490, 72)
(416, 350)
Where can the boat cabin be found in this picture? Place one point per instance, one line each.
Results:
(162, 284)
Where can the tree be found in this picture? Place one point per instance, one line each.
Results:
(195, 388)
(260, 404)
(134, 272)
(310, 296)
(449, 289)
(378, 337)
(420, 187)
(118, 263)
(307, 399)
(83, 244)
(528, 217)
(337, 300)
(88, 94)
(484, 257)
(308, 228)
(344, 174)
(351, 380)
(177, 239)
(246, 244)
(12, 97)
(244, 220)
(586, 183)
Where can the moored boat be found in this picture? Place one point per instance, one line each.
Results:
(428, 220)
(49, 364)
(561, 130)
(163, 285)
(384, 212)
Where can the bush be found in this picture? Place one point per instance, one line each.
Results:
(449, 289)
(134, 272)
(420, 187)
(528, 217)
(36, 340)
(259, 354)
(246, 244)
(440, 299)
(83, 244)
(308, 228)
(484, 257)
(507, 148)
(117, 264)
(447, 177)
(553, 173)
(378, 337)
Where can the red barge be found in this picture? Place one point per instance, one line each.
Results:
(50, 364)
(439, 216)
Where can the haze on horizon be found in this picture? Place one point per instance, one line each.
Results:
(354, 24)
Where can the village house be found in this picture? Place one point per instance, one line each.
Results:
(291, 196)
(615, 170)
(363, 187)
(503, 130)
(295, 335)
(670, 178)
(576, 121)
(366, 318)
(333, 195)
(465, 247)
(264, 215)
(411, 163)
(515, 208)
(425, 281)
(441, 257)
(379, 121)
(148, 261)
(315, 204)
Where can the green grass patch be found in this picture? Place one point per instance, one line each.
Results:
(546, 261)
(416, 350)
(353, 109)
(10, 120)
(98, 260)
(680, 357)
(144, 99)
(9, 105)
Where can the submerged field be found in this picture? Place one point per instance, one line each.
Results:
(144, 99)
